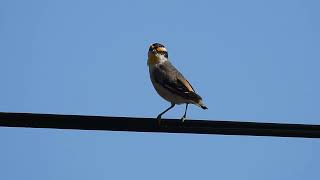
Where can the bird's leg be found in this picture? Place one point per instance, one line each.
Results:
(159, 116)
(185, 113)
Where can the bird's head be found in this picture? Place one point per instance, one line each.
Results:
(157, 54)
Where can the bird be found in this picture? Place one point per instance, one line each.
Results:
(169, 83)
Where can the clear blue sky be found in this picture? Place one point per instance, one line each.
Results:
(249, 60)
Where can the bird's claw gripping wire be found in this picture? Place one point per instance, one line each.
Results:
(183, 119)
(159, 119)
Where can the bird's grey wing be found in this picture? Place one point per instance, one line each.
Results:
(170, 78)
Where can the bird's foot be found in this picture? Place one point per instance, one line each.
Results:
(183, 119)
(159, 119)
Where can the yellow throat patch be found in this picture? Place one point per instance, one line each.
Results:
(152, 60)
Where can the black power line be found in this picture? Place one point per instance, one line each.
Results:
(151, 125)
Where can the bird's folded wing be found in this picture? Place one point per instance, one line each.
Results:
(173, 81)
(181, 89)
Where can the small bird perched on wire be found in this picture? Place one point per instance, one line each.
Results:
(169, 82)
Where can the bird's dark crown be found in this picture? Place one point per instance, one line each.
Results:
(158, 48)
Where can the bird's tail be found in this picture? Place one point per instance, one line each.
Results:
(203, 107)
(201, 104)
(197, 100)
